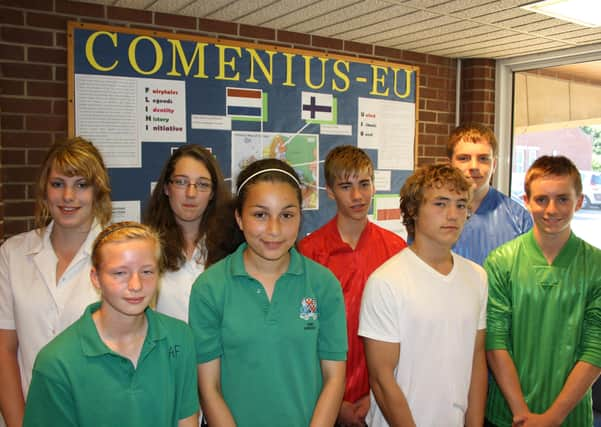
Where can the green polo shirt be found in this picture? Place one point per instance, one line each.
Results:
(270, 351)
(78, 381)
(548, 317)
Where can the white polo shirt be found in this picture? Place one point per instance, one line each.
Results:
(174, 292)
(31, 300)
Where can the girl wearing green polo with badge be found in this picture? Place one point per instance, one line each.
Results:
(120, 364)
(269, 324)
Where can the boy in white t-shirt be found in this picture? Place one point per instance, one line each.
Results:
(423, 314)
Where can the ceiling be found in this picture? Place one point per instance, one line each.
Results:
(452, 28)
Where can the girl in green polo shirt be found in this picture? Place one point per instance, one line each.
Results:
(120, 364)
(269, 324)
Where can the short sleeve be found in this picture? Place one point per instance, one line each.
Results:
(205, 319)
(332, 341)
(378, 319)
(49, 400)
(499, 310)
(591, 338)
(188, 397)
(7, 318)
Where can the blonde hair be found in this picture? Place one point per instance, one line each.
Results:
(432, 176)
(75, 157)
(345, 161)
(122, 232)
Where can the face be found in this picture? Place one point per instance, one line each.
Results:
(70, 201)
(189, 191)
(552, 203)
(353, 195)
(477, 162)
(270, 220)
(441, 216)
(127, 276)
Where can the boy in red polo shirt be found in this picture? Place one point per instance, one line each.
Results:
(352, 248)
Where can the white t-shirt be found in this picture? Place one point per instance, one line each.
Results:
(31, 300)
(434, 318)
(175, 288)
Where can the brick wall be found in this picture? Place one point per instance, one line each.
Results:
(33, 88)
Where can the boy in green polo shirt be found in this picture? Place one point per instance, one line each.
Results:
(120, 364)
(544, 310)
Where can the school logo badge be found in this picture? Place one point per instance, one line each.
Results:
(308, 309)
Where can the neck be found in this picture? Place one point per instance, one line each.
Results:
(478, 196)
(436, 256)
(257, 266)
(68, 241)
(116, 327)
(551, 245)
(350, 230)
(190, 234)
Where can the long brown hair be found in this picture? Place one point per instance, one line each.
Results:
(159, 215)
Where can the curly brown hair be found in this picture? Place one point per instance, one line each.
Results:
(431, 176)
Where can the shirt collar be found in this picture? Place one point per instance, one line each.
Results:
(565, 256)
(44, 242)
(237, 262)
(92, 345)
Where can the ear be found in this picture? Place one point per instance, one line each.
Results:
(166, 190)
(579, 202)
(238, 219)
(330, 192)
(494, 165)
(526, 201)
(94, 278)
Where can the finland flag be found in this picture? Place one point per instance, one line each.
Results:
(317, 106)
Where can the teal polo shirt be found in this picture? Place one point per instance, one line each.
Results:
(78, 381)
(270, 351)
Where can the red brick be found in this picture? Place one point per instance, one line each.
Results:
(19, 174)
(60, 39)
(435, 151)
(130, 15)
(80, 8)
(26, 139)
(26, 71)
(46, 20)
(11, 16)
(29, 4)
(435, 105)
(364, 48)
(179, 21)
(437, 128)
(35, 158)
(15, 226)
(427, 116)
(60, 73)
(427, 139)
(425, 92)
(16, 105)
(257, 32)
(293, 37)
(21, 208)
(59, 107)
(13, 191)
(47, 123)
(12, 87)
(414, 57)
(220, 27)
(54, 56)
(437, 83)
(11, 122)
(429, 70)
(326, 42)
(27, 36)
(445, 117)
(12, 157)
(387, 52)
(9, 51)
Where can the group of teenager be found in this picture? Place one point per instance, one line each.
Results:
(349, 326)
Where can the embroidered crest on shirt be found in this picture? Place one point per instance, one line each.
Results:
(308, 309)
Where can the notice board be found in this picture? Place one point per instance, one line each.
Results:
(139, 94)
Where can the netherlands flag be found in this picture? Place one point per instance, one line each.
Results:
(244, 102)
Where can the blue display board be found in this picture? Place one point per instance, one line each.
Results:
(137, 94)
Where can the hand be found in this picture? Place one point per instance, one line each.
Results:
(535, 420)
(347, 416)
(362, 407)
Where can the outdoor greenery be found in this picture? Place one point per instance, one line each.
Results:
(595, 132)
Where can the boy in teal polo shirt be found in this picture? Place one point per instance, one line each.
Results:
(120, 364)
(544, 310)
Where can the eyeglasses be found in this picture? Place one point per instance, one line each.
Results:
(203, 186)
